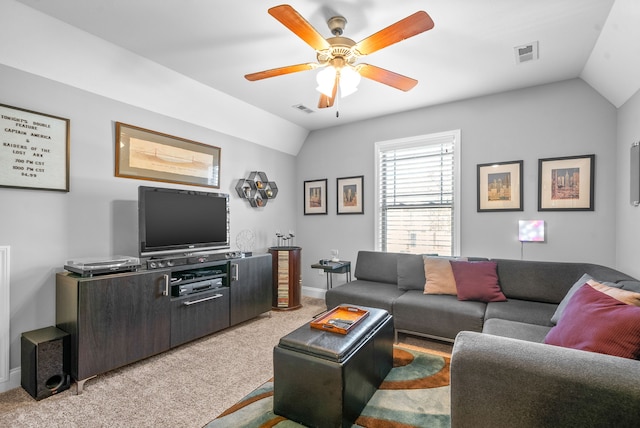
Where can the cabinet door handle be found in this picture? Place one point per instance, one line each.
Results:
(193, 302)
(235, 272)
(165, 292)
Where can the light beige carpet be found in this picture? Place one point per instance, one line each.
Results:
(184, 387)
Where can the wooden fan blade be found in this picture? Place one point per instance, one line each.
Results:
(280, 71)
(291, 19)
(387, 77)
(408, 27)
(326, 101)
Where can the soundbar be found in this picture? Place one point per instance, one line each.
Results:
(165, 262)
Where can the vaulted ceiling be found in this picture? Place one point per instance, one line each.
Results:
(470, 52)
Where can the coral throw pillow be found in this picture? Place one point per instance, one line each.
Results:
(595, 321)
(477, 281)
(440, 280)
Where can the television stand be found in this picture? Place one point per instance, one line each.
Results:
(117, 319)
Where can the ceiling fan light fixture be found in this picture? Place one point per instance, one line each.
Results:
(349, 81)
(326, 78)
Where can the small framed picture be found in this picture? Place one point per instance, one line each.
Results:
(566, 183)
(500, 186)
(350, 195)
(315, 197)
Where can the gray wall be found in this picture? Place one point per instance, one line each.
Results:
(628, 217)
(98, 217)
(561, 119)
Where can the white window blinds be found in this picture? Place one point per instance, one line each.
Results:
(416, 191)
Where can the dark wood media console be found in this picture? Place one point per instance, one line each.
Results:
(117, 319)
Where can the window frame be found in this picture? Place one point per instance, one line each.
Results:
(414, 141)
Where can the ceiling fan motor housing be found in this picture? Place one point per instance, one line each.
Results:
(341, 47)
(336, 25)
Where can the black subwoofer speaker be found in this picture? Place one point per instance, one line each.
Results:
(45, 362)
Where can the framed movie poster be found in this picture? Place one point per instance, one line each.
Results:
(566, 183)
(350, 195)
(34, 150)
(500, 186)
(150, 155)
(315, 197)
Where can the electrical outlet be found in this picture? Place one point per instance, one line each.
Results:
(320, 272)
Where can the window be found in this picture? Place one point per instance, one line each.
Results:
(417, 188)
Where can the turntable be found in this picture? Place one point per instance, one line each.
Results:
(87, 267)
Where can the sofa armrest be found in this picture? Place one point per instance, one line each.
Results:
(503, 382)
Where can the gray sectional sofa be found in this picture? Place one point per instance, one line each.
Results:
(502, 374)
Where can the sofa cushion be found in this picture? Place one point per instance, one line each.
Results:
(364, 293)
(377, 266)
(516, 330)
(436, 315)
(521, 310)
(411, 272)
(595, 321)
(477, 281)
(547, 281)
(439, 276)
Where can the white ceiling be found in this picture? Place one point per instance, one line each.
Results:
(469, 52)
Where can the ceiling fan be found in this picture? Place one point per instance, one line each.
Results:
(338, 55)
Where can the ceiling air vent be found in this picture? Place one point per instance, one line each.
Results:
(525, 53)
(303, 108)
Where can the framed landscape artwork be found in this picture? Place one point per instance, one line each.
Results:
(350, 195)
(500, 186)
(566, 183)
(150, 155)
(315, 197)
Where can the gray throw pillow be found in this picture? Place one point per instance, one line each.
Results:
(629, 285)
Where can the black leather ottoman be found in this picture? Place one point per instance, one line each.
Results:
(324, 379)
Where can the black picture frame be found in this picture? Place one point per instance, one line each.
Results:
(34, 153)
(315, 197)
(566, 183)
(500, 186)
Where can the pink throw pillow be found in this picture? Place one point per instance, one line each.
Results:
(595, 321)
(477, 281)
(439, 276)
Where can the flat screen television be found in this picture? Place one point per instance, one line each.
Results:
(174, 221)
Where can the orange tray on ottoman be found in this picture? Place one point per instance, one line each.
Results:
(341, 319)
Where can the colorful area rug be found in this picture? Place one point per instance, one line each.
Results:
(415, 393)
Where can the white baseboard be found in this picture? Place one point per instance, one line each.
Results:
(318, 293)
(13, 382)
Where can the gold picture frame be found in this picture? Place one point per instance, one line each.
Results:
(148, 155)
(34, 152)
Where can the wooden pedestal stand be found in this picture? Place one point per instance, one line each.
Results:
(287, 278)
